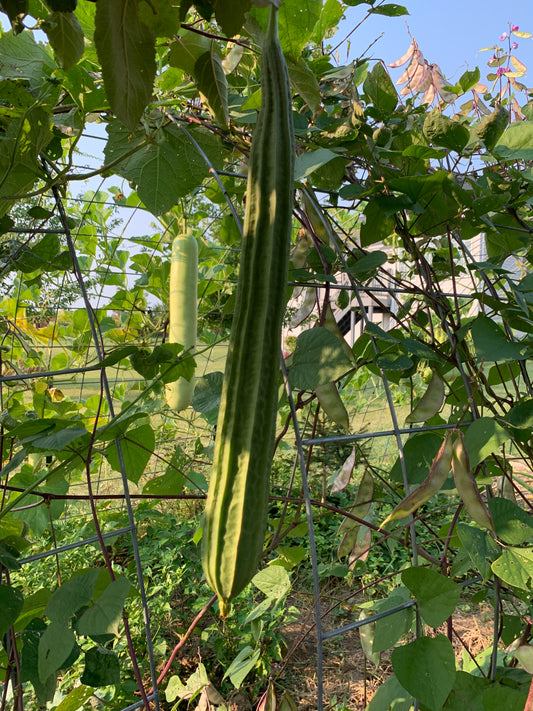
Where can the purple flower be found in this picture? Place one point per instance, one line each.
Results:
(503, 36)
(501, 71)
(514, 45)
(514, 28)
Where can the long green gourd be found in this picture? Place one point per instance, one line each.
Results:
(183, 312)
(237, 501)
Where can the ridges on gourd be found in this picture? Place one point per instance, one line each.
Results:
(237, 501)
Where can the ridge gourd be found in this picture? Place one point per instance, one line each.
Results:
(237, 500)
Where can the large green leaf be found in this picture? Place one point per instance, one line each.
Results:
(136, 447)
(492, 344)
(437, 596)
(71, 596)
(380, 89)
(309, 162)
(517, 142)
(162, 17)
(29, 661)
(444, 131)
(483, 437)
(512, 524)
(379, 222)
(104, 616)
(297, 20)
(273, 581)
(21, 57)
(76, 698)
(55, 647)
(66, 37)
(187, 49)
(330, 16)
(126, 50)
(167, 169)
(230, 15)
(390, 629)
(419, 452)
(319, 358)
(304, 82)
(481, 548)
(515, 567)
(102, 667)
(391, 695)
(11, 602)
(426, 668)
(212, 84)
(467, 693)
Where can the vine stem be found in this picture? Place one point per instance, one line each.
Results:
(182, 641)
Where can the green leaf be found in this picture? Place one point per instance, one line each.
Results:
(273, 581)
(330, 16)
(467, 693)
(230, 16)
(242, 665)
(390, 10)
(66, 37)
(75, 699)
(58, 440)
(34, 606)
(426, 668)
(117, 355)
(437, 596)
(158, 170)
(390, 629)
(304, 82)
(515, 567)
(212, 84)
(319, 358)
(29, 662)
(391, 695)
(8, 558)
(481, 548)
(369, 263)
(500, 696)
(55, 646)
(71, 596)
(161, 17)
(102, 667)
(492, 344)
(492, 126)
(11, 602)
(517, 142)
(207, 394)
(512, 524)
(187, 49)
(444, 131)
(469, 79)
(172, 481)
(104, 616)
(483, 437)
(126, 51)
(21, 57)
(378, 225)
(307, 163)
(297, 20)
(380, 89)
(137, 446)
(419, 452)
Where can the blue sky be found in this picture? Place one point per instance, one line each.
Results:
(449, 33)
